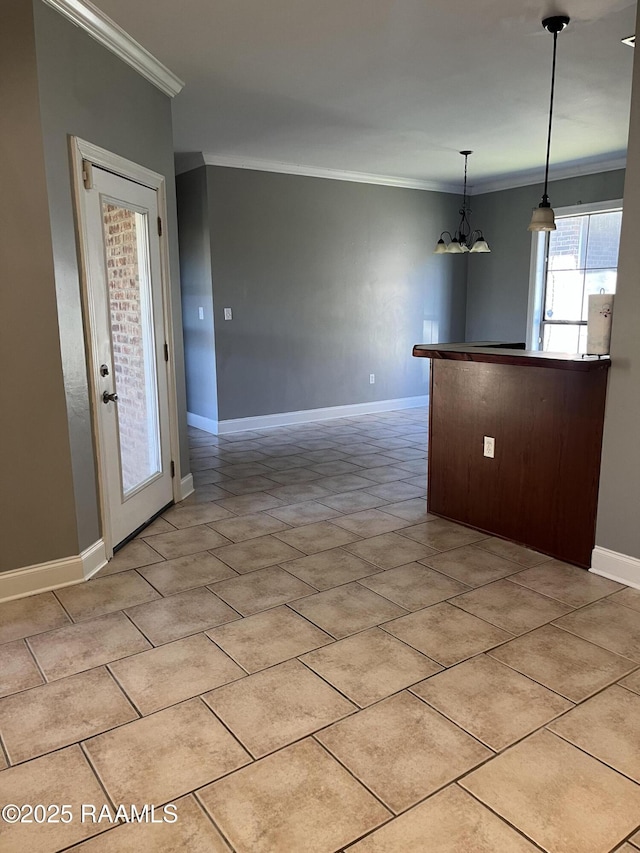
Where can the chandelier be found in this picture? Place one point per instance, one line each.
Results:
(464, 239)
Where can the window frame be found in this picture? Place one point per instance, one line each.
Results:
(537, 268)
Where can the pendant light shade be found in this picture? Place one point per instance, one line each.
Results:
(464, 240)
(543, 218)
(480, 245)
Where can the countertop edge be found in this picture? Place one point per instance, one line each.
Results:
(490, 352)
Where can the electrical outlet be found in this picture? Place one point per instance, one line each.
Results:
(228, 314)
(489, 446)
(200, 313)
(372, 379)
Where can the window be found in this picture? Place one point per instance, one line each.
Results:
(577, 259)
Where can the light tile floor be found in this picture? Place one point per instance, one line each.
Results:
(303, 660)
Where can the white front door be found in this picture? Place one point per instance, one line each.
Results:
(127, 323)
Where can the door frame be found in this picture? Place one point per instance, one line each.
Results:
(83, 152)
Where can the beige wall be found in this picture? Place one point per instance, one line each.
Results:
(87, 91)
(619, 506)
(55, 81)
(37, 516)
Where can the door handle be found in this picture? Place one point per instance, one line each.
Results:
(109, 398)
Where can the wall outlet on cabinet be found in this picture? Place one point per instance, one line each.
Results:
(372, 379)
(489, 446)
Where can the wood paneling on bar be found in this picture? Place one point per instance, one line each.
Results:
(541, 487)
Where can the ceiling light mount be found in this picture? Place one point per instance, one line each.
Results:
(543, 218)
(556, 23)
(464, 240)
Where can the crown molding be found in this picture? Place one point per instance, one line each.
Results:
(237, 162)
(559, 173)
(89, 18)
(185, 162)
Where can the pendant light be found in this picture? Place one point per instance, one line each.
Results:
(543, 218)
(464, 240)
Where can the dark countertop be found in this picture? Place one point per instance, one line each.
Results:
(494, 352)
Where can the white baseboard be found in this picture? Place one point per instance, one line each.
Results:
(616, 567)
(306, 415)
(43, 577)
(93, 559)
(206, 424)
(186, 487)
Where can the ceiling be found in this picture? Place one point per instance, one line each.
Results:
(394, 87)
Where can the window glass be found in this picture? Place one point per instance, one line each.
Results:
(567, 244)
(563, 296)
(126, 240)
(559, 338)
(604, 240)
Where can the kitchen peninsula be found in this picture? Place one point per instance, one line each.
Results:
(545, 414)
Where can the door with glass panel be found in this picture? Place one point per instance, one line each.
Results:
(130, 371)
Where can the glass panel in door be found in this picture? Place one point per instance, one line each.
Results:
(126, 240)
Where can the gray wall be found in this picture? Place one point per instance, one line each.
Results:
(498, 284)
(195, 277)
(328, 281)
(619, 504)
(88, 92)
(37, 521)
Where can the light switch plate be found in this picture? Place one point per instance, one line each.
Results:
(228, 314)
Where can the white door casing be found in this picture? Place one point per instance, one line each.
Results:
(136, 435)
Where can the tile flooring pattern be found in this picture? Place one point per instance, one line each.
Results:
(303, 660)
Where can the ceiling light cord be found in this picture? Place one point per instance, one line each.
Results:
(464, 229)
(543, 217)
(545, 195)
(464, 192)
